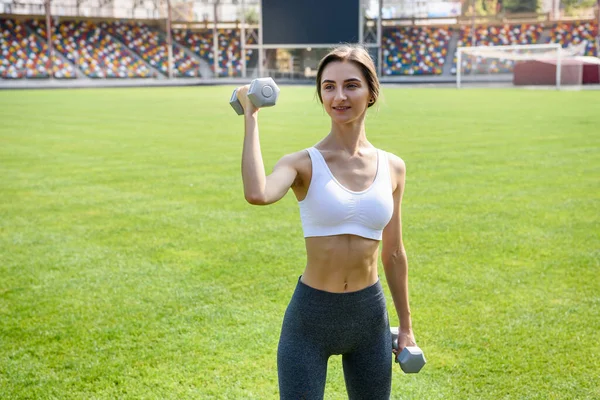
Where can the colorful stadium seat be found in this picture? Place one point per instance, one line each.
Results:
(94, 52)
(568, 33)
(228, 50)
(127, 49)
(25, 55)
(200, 42)
(19, 51)
(502, 35)
(415, 50)
(151, 45)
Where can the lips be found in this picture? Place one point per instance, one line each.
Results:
(341, 108)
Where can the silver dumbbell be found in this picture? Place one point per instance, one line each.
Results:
(263, 92)
(411, 358)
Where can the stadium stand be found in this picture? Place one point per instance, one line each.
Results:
(229, 48)
(251, 55)
(415, 50)
(198, 41)
(567, 33)
(504, 35)
(150, 44)
(25, 55)
(137, 49)
(229, 52)
(93, 51)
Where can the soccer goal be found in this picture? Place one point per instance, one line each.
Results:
(520, 65)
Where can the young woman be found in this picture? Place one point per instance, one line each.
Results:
(350, 195)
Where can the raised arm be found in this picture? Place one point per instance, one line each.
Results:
(394, 258)
(260, 189)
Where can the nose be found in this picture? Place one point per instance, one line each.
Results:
(340, 95)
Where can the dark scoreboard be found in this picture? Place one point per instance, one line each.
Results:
(289, 22)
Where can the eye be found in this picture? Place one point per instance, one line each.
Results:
(352, 86)
(328, 87)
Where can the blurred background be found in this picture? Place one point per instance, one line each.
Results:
(196, 41)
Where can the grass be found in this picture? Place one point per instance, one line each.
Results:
(131, 266)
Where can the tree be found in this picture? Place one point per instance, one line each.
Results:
(573, 7)
(251, 15)
(521, 6)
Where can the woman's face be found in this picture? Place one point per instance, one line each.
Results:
(344, 91)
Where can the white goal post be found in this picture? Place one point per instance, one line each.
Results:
(484, 64)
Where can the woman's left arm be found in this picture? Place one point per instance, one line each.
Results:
(393, 256)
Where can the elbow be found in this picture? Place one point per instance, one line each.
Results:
(393, 258)
(255, 199)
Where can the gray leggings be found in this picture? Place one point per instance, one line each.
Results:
(320, 324)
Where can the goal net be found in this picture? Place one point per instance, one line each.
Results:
(520, 65)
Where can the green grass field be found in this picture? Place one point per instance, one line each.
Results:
(132, 268)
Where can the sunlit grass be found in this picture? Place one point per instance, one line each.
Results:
(131, 266)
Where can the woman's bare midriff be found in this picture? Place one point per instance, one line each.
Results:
(341, 263)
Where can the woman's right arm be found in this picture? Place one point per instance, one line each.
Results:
(260, 189)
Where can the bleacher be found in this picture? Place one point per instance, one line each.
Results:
(503, 35)
(151, 45)
(569, 33)
(229, 52)
(93, 51)
(415, 50)
(137, 49)
(198, 41)
(25, 55)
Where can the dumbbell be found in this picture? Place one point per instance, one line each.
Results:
(263, 92)
(411, 358)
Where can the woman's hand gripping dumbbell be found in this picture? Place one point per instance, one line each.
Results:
(411, 358)
(262, 92)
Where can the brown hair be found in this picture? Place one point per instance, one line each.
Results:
(361, 58)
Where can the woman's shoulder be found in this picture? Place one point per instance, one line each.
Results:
(297, 159)
(396, 163)
(297, 155)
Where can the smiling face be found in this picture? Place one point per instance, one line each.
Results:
(344, 92)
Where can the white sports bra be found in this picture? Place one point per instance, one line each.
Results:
(331, 209)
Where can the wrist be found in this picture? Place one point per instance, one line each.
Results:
(405, 324)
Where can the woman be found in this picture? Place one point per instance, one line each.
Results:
(350, 196)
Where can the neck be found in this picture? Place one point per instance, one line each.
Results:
(349, 137)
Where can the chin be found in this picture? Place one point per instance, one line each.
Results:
(344, 119)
